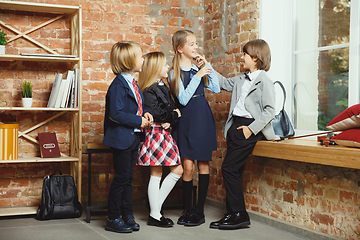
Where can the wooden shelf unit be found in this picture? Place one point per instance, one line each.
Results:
(76, 113)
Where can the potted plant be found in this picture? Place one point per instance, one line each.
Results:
(3, 41)
(26, 93)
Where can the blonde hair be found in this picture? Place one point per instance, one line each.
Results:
(179, 39)
(123, 56)
(259, 49)
(151, 68)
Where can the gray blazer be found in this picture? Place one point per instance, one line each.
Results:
(260, 102)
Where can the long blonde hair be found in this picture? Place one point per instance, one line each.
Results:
(151, 68)
(179, 39)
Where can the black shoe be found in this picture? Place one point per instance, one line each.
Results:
(236, 221)
(185, 216)
(162, 223)
(170, 221)
(196, 219)
(117, 225)
(130, 221)
(217, 223)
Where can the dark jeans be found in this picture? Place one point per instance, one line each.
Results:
(120, 195)
(238, 150)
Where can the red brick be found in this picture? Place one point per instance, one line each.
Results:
(322, 218)
(346, 196)
(288, 197)
(300, 201)
(19, 182)
(6, 172)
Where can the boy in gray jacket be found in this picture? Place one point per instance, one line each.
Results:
(251, 110)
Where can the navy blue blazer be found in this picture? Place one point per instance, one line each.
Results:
(120, 114)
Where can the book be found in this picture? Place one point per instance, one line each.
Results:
(66, 96)
(49, 146)
(77, 87)
(55, 90)
(63, 89)
(74, 92)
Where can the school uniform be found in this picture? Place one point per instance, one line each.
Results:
(122, 134)
(256, 110)
(159, 147)
(195, 134)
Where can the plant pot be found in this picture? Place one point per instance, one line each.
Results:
(27, 102)
(2, 49)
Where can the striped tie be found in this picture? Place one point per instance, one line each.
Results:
(138, 98)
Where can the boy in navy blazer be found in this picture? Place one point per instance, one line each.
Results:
(251, 110)
(123, 122)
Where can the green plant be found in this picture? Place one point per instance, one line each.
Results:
(3, 38)
(26, 89)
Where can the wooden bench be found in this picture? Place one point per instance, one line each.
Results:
(309, 151)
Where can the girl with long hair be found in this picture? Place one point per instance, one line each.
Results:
(159, 149)
(195, 134)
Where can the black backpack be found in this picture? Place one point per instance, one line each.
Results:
(59, 198)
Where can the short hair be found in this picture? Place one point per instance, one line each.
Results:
(123, 56)
(259, 49)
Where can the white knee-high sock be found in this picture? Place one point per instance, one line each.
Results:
(153, 194)
(166, 187)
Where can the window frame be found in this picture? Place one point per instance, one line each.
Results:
(282, 45)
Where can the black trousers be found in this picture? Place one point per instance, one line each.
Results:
(120, 194)
(238, 150)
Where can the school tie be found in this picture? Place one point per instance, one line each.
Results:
(138, 98)
(247, 77)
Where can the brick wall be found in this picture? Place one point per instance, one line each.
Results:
(151, 23)
(319, 197)
(322, 198)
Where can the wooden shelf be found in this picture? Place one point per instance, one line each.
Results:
(39, 109)
(11, 211)
(8, 57)
(309, 151)
(39, 159)
(38, 7)
(73, 15)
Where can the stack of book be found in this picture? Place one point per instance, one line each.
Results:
(65, 91)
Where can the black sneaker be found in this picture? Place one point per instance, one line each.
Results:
(185, 216)
(130, 221)
(196, 219)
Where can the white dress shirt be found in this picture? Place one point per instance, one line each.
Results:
(240, 109)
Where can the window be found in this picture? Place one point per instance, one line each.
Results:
(315, 53)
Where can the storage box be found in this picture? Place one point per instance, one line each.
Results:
(9, 141)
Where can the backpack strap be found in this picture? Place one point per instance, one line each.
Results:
(56, 171)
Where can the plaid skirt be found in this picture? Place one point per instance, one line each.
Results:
(159, 148)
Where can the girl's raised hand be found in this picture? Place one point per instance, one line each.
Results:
(200, 61)
(206, 70)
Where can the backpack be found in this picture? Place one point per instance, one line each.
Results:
(59, 198)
